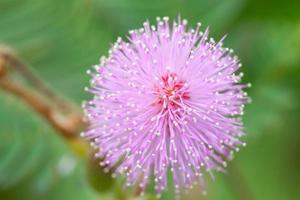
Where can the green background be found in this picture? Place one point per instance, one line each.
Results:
(61, 39)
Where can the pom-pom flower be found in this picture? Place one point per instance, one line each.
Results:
(168, 99)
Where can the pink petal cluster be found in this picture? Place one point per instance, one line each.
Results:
(168, 99)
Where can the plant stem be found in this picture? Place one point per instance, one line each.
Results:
(238, 184)
(33, 79)
(68, 124)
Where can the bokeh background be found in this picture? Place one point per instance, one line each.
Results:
(61, 39)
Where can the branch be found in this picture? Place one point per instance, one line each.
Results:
(238, 183)
(33, 79)
(67, 124)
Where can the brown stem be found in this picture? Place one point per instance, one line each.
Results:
(2, 68)
(34, 80)
(68, 124)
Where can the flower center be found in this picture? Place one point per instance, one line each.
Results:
(171, 91)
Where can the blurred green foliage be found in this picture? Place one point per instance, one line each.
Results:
(61, 39)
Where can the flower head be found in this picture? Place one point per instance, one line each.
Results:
(169, 98)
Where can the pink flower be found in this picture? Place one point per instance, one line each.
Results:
(167, 99)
